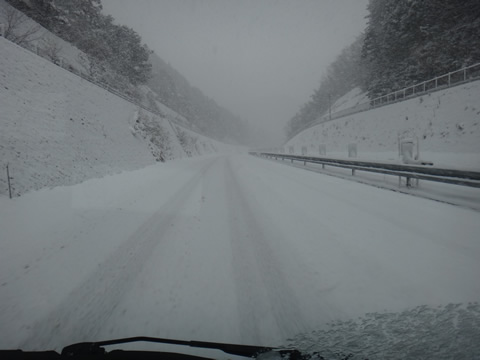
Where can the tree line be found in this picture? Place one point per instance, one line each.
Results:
(172, 89)
(405, 42)
(109, 46)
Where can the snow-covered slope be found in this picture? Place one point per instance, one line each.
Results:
(354, 99)
(446, 122)
(58, 129)
(42, 38)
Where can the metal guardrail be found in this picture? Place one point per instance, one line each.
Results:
(454, 78)
(421, 172)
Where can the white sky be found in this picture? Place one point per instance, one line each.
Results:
(261, 59)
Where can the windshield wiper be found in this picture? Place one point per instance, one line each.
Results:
(233, 349)
(88, 350)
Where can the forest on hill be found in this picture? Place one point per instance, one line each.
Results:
(405, 42)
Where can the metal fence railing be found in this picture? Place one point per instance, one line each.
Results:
(449, 176)
(450, 79)
(454, 78)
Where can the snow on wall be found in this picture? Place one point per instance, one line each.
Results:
(446, 122)
(58, 129)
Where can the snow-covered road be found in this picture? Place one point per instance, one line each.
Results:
(229, 249)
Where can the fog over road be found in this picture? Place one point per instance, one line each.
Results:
(229, 248)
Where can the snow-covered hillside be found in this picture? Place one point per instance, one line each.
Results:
(58, 129)
(446, 122)
(42, 39)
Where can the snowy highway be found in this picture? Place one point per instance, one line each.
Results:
(223, 248)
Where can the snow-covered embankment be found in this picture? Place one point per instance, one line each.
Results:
(58, 129)
(446, 122)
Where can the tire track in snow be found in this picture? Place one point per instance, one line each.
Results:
(83, 313)
(269, 310)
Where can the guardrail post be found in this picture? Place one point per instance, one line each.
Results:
(353, 172)
(2, 30)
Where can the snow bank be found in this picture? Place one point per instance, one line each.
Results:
(422, 332)
(58, 129)
(446, 122)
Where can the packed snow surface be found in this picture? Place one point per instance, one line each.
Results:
(229, 249)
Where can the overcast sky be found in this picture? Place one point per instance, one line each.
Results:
(261, 59)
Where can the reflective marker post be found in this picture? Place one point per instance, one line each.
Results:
(9, 185)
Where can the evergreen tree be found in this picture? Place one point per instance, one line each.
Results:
(82, 23)
(344, 74)
(408, 41)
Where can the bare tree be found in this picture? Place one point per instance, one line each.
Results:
(52, 49)
(17, 28)
(90, 67)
